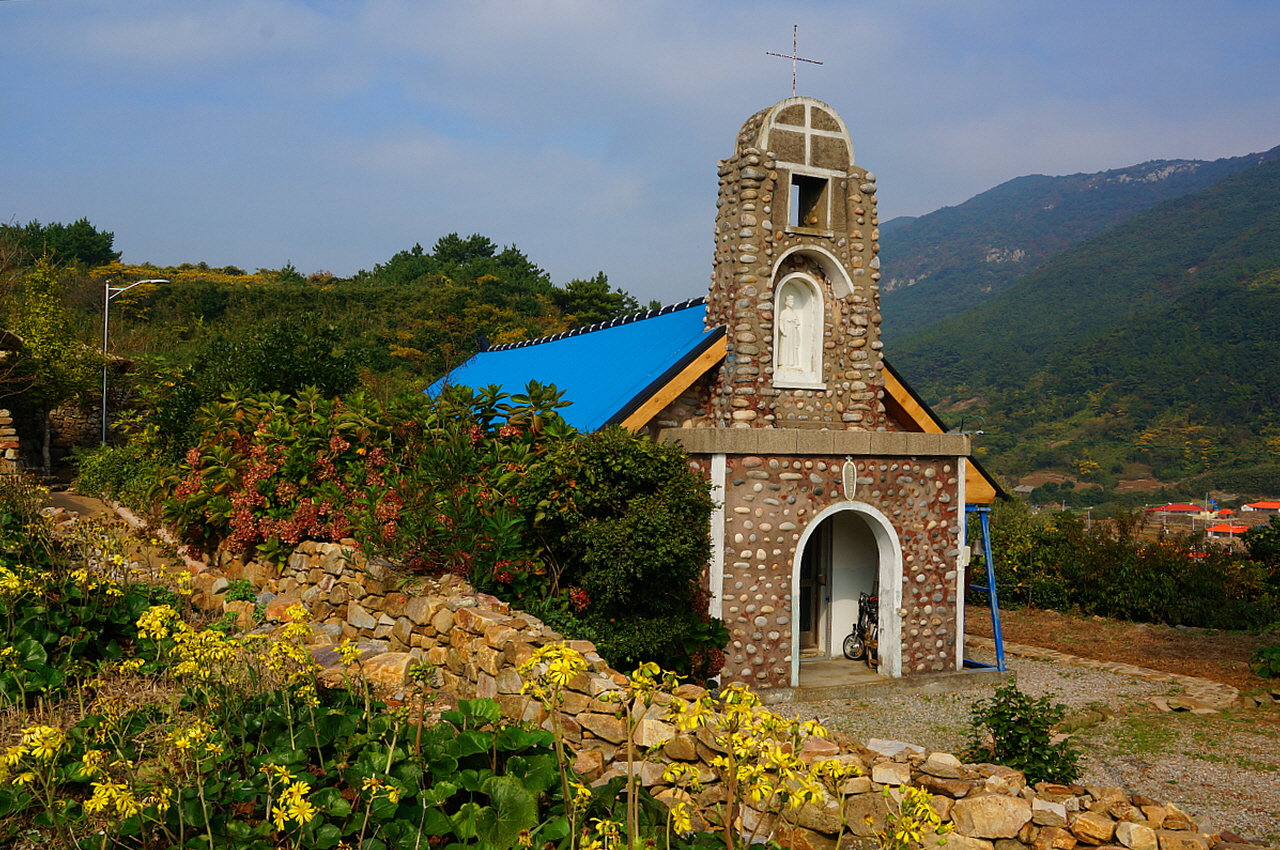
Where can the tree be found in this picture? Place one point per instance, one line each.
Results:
(453, 250)
(1263, 542)
(280, 355)
(58, 366)
(67, 244)
(588, 302)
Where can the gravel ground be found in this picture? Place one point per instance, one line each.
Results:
(1226, 767)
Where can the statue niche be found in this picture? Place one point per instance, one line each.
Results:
(797, 336)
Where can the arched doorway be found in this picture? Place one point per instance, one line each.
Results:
(847, 549)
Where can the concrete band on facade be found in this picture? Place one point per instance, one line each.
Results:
(744, 441)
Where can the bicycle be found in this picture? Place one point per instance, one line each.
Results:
(863, 644)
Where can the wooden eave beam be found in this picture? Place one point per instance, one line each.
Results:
(676, 386)
(907, 410)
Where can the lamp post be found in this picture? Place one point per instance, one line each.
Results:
(109, 293)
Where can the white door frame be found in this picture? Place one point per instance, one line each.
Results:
(890, 580)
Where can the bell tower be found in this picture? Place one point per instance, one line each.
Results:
(795, 279)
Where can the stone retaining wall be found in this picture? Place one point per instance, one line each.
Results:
(10, 442)
(76, 427)
(477, 642)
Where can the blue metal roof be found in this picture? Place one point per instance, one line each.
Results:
(605, 370)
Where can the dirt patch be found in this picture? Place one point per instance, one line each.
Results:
(1035, 479)
(1206, 653)
(1139, 485)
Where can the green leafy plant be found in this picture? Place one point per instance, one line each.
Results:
(241, 590)
(1014, 729)
(56, 367)
(1265, 661)
(623, 525)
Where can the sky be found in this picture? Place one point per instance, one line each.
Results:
(331, 134)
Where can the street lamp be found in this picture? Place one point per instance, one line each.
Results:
(110, 293)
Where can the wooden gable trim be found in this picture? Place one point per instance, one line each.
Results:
(676, 386)
(903, 406)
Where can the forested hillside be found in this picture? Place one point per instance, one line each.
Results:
(209, 330)
(402, 324)
(1154, 343)
(948, 261)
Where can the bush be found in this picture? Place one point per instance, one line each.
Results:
(623, 525)
(286, 356)
(1111, 569)
(608, 534)
(24, 533)
(131, 475)
(1266, 662)
(1013, 729)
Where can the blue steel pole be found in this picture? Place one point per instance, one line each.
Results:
(984, 518)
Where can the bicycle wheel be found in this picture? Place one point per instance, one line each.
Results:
(854, 649)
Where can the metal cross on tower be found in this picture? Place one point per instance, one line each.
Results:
(793, 57)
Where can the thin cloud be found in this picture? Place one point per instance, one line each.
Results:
(333, 134)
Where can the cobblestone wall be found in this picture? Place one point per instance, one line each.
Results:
(769, 501)
(757, 247)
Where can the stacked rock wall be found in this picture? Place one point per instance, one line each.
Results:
(10, 442)
(477, 642)
(75, 427)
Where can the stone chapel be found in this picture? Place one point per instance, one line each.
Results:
(832, 478)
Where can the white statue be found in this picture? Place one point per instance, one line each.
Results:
(790, 335)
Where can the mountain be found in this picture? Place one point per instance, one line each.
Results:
(943, 263)
(1159, 332)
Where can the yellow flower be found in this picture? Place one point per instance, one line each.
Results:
(276, 772)
(609, 830)
(554, 665)
(161, 798)
(812, 729)
(295, 791)
(681, 821)
(115, 795)
(680, 773)
(100, 799)
(200, 734)
(95, 762)
(10, 584)
(155, 622)
(581, 795)
(130, 665)
(301, 812)
(348, 651)
(43, 742)
(689, 716)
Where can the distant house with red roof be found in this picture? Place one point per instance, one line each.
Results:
(1264, 507)
(1225, 529)
(1177, 509)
